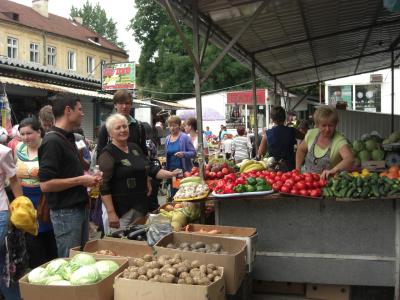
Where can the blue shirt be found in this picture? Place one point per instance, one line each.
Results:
(280, 143)
(175, 162)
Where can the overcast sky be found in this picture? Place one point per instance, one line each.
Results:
(121, 11)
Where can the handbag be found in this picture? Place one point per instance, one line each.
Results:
(43, 211)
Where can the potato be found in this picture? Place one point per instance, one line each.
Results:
(167, 278)
(181, 269)
(138, 262)
(156, 271)
(203, 269)
(194, 272)
(211, 266)
(150, 273)
(148, 258)
(211, 276)
(209, 270)
(216, 273)
(195, 280)
(201, 250)
(183, 275)
(189, 280)
(170, 271)
(204, 281)
(125, 273)
(187, 263)
(133, 275)
(142, 270)
(216, 278)
(157, 278)
(171, 246)
(184, 245)
(195, 264)
(216, 247)
(143, 277)
(181, 281)
(197, 245)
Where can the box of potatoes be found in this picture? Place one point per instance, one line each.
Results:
(169, 277)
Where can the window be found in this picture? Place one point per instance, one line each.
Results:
(71, 61)
(90, 64)
(368, 97)
(51, 56)
(341, 93)
(12, 47)
(34, 53)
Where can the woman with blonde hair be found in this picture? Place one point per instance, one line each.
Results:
(324, 150)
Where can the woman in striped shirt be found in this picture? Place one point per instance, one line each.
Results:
(241, 146)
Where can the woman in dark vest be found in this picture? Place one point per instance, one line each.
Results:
(125, 169)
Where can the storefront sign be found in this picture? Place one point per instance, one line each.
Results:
(119, 76)
(246, 97)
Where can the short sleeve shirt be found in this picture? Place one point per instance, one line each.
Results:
(338, 142)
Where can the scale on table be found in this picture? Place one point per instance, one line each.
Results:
(392, 156)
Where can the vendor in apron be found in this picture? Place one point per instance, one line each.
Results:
(324, 150)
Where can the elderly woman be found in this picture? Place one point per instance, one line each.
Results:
(179, 147)
(276, 146)
(125, 169)
(323, 149)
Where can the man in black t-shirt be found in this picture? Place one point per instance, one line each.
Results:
(62, 178)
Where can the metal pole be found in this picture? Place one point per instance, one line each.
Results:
(396, 204)
(392, 115)
(197, 85)
(253, 78)
(245, 116)
(320, 92)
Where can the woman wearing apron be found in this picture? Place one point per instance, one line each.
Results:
(324, 150)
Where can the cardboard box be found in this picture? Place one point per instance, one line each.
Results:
(328, 292)
(248, 234)
(127, 289)
(272, 287)
(234, 263)
(122, 247)
(374, 165)
(102, 290)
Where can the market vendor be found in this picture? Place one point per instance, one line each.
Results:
(324, 150)
(280, 140)
(125, 169)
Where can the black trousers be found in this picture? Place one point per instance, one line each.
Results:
(41, 248)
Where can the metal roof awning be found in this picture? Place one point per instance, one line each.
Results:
(170, 105)
(53, 87)
(298, 42)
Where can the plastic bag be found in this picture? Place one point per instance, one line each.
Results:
(158, 227)
(23, 215)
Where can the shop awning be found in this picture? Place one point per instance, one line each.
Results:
(53, 87)
(170, 105)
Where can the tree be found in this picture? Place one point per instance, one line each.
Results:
(95, 18)
(164, 65)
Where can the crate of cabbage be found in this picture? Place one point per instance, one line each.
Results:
(225, 252)
(80, 277)
(346, 186)
(170, 277)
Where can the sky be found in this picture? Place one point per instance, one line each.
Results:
(121, 14)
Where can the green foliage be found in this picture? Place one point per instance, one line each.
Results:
(164, 64)
(95, 18)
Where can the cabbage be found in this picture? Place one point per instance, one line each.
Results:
(85, 275)
(106, 267)
(66, 271)
(55, 266)
(38, 276)
(50, 279)
(81, 259)
(60, 282)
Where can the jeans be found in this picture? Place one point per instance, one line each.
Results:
(11, 292)
(71, 228)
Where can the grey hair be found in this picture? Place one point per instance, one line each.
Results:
(112, 119)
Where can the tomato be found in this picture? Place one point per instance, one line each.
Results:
(285, 189)
(315, 193)
(279, 173)
(258, 174)
(316, 176)
(316, 184)
(294, 191)
(290, 181)
(220, 175)
(270, 181)
(308, 178)
(207, 174)
(300, 185)
(211, 175)
(195, 169)
(296, 177)
(309, 185)
(294, 171)
(196, 174)
(304, 192)
(240, 180)
(277, 186)
(225, 171)
(278, 178)
(322, 182)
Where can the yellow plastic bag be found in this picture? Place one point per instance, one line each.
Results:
(23, 215)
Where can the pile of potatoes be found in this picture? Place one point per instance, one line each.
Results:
(199, 247)
(172, 270)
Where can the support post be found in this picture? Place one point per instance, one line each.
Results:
(392, 114)
(254, 84)
(197, 87)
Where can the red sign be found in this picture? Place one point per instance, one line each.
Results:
(246, 97)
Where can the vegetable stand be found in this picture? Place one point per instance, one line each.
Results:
(320, 240)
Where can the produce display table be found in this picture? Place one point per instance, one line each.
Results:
(320, 240)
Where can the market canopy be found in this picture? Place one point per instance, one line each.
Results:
(299, 42)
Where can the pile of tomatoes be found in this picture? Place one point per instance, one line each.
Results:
(306, 184)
